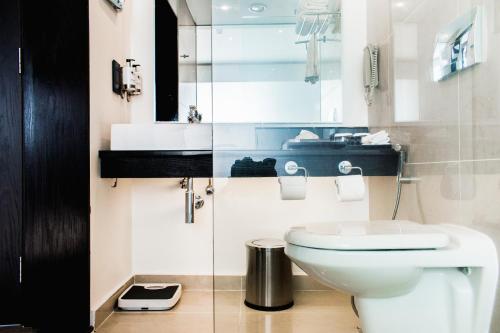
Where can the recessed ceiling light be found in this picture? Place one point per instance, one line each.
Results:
(257, 7)
(225, 7)
(399, 4)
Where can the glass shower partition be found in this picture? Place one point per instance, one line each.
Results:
(265, 80)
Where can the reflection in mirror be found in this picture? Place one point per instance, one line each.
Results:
(175, 60)
(406, 71)
(274, 64)
(187, 70)
(166, 62)
(267, 67)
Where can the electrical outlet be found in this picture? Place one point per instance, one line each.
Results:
(118, 4)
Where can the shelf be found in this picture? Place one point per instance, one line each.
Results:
(374, 160)
(156, 164)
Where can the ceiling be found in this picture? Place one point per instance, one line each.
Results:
(237, 12)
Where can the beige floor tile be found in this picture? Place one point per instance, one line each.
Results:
(227, 322)
(203, 302)
(127, 323)
(318, 311)
(315, 301)
(158, 323)
(184, 323)
(195, 302)
(228, 301)
(297, 322)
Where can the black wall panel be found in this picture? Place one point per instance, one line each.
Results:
(10, 163)
(56, 267)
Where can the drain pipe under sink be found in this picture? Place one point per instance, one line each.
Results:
(192, 201)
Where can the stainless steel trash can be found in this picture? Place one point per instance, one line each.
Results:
(269, 276)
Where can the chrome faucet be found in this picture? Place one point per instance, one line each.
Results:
(194, 116)
(192, 201)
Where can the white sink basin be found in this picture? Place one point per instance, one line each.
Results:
(161, 136)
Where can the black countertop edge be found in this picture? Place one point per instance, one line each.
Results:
(243, 152)
(243, 163)
(280, 153)
(152, 153)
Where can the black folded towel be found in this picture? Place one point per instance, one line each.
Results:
(247, 167)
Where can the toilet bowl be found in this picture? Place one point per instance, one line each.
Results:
(404, 276)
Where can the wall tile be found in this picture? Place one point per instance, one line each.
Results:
(429, 142)
(433, 129)
(480, 119)
(435, 198)
(454, 146)
(480, 194)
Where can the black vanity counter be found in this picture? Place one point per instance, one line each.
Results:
(373, 160)
(156, 163)
(319, 162)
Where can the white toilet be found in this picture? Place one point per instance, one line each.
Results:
(405, 277)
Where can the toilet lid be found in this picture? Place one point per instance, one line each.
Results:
(373, 235)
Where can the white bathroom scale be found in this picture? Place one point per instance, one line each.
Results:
(150, 297)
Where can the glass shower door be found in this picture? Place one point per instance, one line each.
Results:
(267, 86)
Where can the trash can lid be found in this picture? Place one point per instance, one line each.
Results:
(267, 243)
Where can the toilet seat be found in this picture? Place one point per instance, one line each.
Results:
(368, 236)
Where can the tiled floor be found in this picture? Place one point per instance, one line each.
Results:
(314, 312)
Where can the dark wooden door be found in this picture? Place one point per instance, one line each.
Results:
(11, 118)
(56, 263)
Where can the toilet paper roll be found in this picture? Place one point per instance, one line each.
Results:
(293, 188)
(350, 188)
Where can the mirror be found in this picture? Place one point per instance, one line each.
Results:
(257, 63)
(166, 62)
(175, 60)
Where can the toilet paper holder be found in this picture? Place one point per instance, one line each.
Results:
(345, 167)
(291, 168)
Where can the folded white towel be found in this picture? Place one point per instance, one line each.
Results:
(306, 135)
(379, 138)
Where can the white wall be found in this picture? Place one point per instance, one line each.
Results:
(163, 243)
(142, 43)
(243, 208)
(111, 223)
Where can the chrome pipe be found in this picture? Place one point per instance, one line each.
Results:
(400, 180)
(401, 163)
(189, 202)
